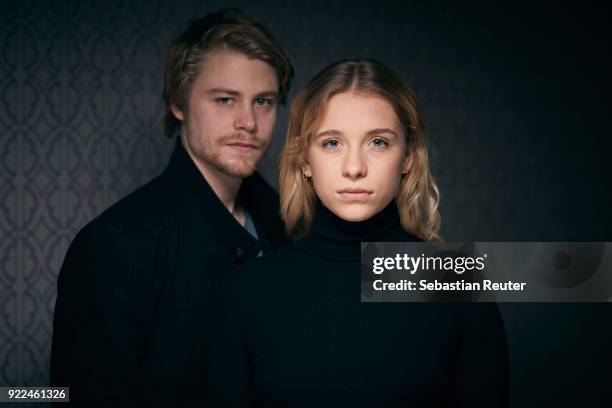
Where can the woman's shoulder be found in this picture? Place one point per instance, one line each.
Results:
(279, 256)
(266, 281)
(271, 265)
(399, 234)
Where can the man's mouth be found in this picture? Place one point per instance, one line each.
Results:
(243, 147)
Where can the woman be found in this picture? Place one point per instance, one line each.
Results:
(354, 168)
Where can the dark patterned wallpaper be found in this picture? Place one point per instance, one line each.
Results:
(516, 97)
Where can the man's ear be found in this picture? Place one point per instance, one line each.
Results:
(177, 112)
(407, 163)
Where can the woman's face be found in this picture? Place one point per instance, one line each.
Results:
(357, 156)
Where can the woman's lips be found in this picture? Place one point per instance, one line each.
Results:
(355, 194)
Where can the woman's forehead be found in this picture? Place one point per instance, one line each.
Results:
(356, 113)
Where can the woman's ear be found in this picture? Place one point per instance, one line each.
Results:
(177, 112)
(306, 170)
(407, 163)
(305, 167)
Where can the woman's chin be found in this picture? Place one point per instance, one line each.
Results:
(354, 213)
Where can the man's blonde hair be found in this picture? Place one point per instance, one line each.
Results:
(225, 29)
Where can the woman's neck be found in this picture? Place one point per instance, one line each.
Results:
(333, 237)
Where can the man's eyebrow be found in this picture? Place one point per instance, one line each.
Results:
(223, 91)
(232, 92)
(269, 94)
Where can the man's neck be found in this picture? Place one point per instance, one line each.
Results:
(225, 187)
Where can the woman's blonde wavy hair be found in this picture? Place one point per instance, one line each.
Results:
(418, 197)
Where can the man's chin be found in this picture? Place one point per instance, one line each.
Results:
(241, 170)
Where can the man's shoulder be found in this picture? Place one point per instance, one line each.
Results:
(148, 209)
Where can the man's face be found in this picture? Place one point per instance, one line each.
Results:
(230, 113)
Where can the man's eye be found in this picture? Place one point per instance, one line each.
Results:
(263, 101)
(378, 142)
(224, 101)
(331, 144)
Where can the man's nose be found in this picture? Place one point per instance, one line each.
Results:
(354, 165)
(245, 119)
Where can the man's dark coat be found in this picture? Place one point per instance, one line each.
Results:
(134, 293)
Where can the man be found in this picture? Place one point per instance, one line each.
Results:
(134, 302)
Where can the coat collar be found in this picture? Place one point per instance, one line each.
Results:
(257, 197)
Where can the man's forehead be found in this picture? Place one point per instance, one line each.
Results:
(234, 71)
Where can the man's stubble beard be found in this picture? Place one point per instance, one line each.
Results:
(221, 157)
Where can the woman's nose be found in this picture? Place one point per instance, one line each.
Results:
(354, 166)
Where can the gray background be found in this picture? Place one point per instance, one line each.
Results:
(516, 97)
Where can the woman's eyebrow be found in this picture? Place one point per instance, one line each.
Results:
(329, 132)
(378, 131)
(373, 132)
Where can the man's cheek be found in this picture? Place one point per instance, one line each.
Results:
(268, 117)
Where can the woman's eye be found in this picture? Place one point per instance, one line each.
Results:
(380, 142)
(331, 144)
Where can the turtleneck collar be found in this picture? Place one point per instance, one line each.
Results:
(333, 237)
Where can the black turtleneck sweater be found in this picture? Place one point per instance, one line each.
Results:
(295, 333)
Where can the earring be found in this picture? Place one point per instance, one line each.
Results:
(305, 173)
